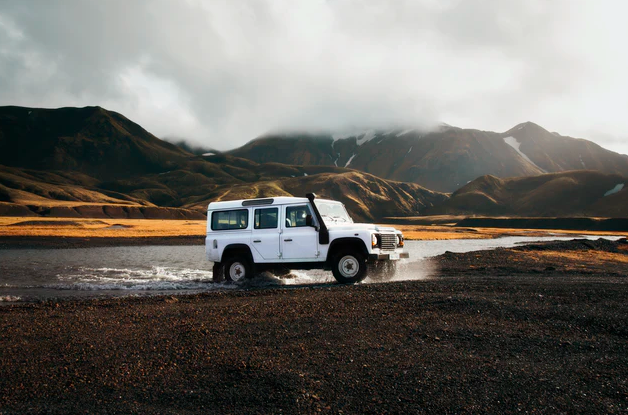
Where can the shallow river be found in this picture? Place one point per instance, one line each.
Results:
(36, 274)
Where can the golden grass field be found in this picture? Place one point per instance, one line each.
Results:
(576, 261)
(134, 228)
(100, 228)
(443, 232)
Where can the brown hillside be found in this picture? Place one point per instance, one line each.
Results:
(100, 143)
(93, 162)
(574, 193)
(26, 192)
(367, 197)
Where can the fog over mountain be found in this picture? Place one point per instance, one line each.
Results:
(220, 72)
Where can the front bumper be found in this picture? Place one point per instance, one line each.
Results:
(389, 256)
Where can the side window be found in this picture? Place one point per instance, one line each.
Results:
(230, 219)
(266, 218)
(295, 215)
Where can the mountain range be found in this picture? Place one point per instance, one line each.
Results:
(94, 162)
(443, 160)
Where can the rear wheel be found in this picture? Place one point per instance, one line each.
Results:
(349, 267)
(218, 272)
(237, 269)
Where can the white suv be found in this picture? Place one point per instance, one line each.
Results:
(245, 237)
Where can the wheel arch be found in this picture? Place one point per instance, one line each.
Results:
(237, 249)
(341, 244)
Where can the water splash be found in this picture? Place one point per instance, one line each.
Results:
(154, 278)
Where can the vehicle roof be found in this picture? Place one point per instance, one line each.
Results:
(281, 200)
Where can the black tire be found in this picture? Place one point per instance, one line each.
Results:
(382, 270)
(349, 267)
(237, 268)
(218, 272)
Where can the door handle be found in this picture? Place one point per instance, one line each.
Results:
(287, 240)
(257, 241)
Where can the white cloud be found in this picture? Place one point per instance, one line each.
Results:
(222, 72)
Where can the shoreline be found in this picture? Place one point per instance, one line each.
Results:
(56, 242)
(76, 242)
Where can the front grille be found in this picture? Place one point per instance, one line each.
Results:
(388, 241)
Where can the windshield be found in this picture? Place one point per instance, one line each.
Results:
(332, 212)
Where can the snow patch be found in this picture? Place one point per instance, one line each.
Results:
(512, 142)
(29, 112)
(368, 136)
(348, 134)
(208, 154)
(409, 150)
(582, 162)
(404, 132)
(305, 174)
(351, 158)
(615, 189)
(361, 136)
(337, 137)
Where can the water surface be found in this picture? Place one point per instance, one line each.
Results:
(35, 274)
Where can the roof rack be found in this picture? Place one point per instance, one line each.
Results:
(258, 202)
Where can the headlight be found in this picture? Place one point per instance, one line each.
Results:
(374, 240)
(399, 240)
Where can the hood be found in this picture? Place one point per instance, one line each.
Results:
(358, 226)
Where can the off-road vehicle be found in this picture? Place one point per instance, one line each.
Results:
(245, 237)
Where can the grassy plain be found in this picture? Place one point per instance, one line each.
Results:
(99, 228)
(143, 228)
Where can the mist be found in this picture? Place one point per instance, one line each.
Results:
(221, 73)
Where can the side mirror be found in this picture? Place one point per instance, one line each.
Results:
(309, 221)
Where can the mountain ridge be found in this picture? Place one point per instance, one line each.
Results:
(91, 161)
(427, 157)
(572, 193)
(79, 139)
(75, 161)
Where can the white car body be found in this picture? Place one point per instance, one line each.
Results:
(276, 232)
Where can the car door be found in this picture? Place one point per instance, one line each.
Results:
(266, 233)
(299, 242)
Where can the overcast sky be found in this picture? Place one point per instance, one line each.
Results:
(221, 72)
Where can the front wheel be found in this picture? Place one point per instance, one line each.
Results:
(237, 269)
(382, 270)
(349, 267)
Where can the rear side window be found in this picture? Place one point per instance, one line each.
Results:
(266, 218)
(230, 219)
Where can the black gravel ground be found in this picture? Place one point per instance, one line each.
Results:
(551, 341)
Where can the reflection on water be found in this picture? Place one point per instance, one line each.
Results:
(29, 274)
